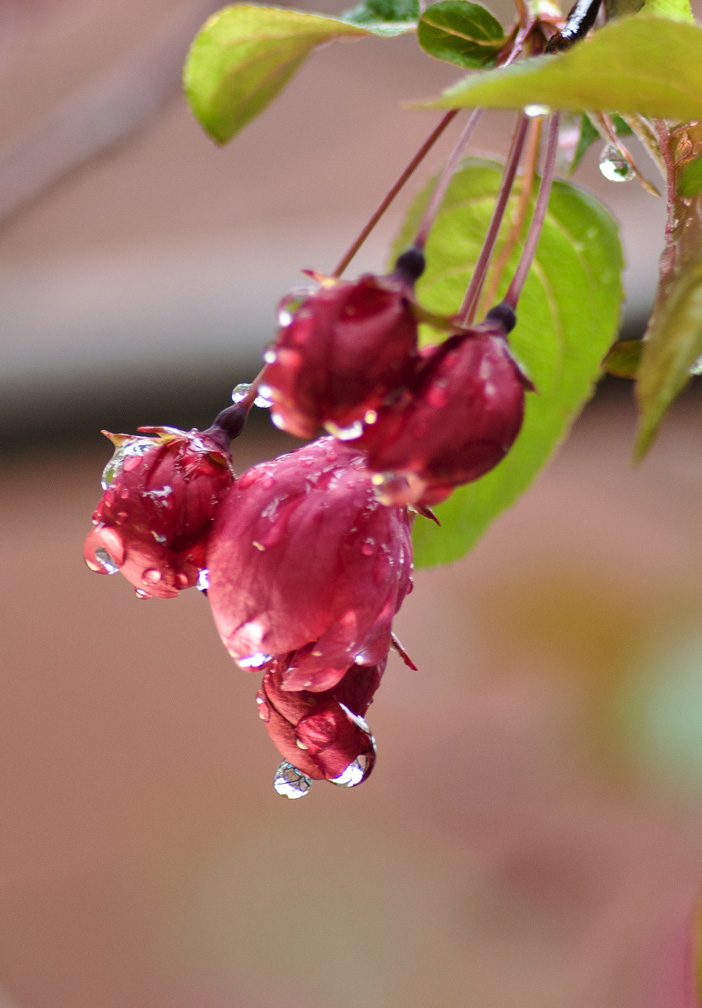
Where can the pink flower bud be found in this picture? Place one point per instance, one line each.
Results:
(323, 735)
(459, 420)
(302, 558)
(155, 514)
(339, 353)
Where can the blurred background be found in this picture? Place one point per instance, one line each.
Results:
(532, 833)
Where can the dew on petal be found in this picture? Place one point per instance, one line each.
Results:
(141, 594)
(355, 773)
(107, 564)
(349, 433)
(203, 580)
(134, 448)
(254, 661)
(290, 782)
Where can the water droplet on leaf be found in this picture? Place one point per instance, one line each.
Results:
(290, 782)
(535, 111)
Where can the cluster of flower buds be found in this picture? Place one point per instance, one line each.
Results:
(427, 421)
(307, 558)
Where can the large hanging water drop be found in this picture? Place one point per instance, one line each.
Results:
(105, 560)
(614, 166)
(291, 782)
(355, 773)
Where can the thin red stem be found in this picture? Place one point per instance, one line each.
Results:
(437, 197)
(548, 171)
(470, 301)
(385, 203)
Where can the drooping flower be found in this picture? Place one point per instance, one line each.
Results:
(341, 350)
(460, 418)
(322, 735)
(160, 494)
(304, 563)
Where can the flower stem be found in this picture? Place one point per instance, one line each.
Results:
(520, 275)
(394, 190)
(442, 185)
(531, 158)
(467, 310)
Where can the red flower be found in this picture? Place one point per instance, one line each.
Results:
(305, 563)
(155, 514)
(322, 735)
(341, 351)
(459, 420)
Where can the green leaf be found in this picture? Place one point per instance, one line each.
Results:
(624, 358)
(567, 320)
(675, 10)
(461, 32)
(639, 64)
(673, 345)
(244, 56)
(690, 178)
(385, 17)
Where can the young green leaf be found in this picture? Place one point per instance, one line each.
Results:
(461, 32)
(690, 178)
(244, 56)
(624, 359)
(640, 64)
(567, 319)
(675, 10)
(673, 345)
(385, 17)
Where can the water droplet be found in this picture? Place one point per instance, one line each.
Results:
(371, 416)
(254, 661)
(263, 401)
(264, 711)
(535, 111)
(130, 449)
(151, 576)
(368, 547)
(354, 773)
(203, 580)
(284, 317)
(141, 594)
(278, 420)
(392, 489)
(696, 368)
(160, 496)
(290, 782)
(345, 433)
(614, 166)
(240, 392)
(105, 560)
